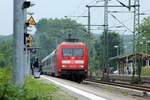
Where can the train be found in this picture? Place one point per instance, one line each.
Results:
(69, 60)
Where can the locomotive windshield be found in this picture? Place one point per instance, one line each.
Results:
(73, 52)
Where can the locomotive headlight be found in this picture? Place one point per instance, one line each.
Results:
(63, 66)
(82, 66)
(79, 62)
(65, 61)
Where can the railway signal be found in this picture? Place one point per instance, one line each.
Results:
(27, 37)
(29, 41)
(27, 4)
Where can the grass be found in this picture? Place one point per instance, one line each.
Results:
(146, 71)
(37, 87)
(33, 89)
(125, 93)
(62, 95)
(5, 75)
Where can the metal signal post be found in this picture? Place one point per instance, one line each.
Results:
(89, 21)
(136, 33)
(136, 24)
(105, 52)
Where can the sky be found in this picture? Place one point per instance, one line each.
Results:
(61, 8)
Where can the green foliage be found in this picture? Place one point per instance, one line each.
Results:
(146, 71)
(144, 31)
(8, 91)
(113, 39)
(51, 32)
(141, 44)
(135, 80)
(6, 52)
(32, 90)
(98, 53)
(11, 92)
(5, 75)
(37, 87)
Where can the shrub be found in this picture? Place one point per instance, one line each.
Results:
(146, 71)
(10, 92)
(32, 90)
(39, 90)
(5, 75)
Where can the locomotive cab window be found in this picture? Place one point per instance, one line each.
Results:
(67, 52)
(73, 52)
(78, 52)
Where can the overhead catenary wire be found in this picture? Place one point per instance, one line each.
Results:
(147, 10)
(120, 12)
(126, 20)
(121, 23)
(95, 1)
(85, 11)
(122, 4)
(79, 6)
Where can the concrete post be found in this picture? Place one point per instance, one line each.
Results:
(18, 35)
(28, 63)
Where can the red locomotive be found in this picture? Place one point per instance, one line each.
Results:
(69, 60)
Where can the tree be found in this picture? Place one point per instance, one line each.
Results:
(142, 44)
(51, 32)
(6, 52)
(113, 39)
(144, 31)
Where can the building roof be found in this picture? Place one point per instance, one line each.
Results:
(131, 56)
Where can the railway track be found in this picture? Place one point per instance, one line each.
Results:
(145, 89)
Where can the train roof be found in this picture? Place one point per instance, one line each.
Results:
(72, 43)
(48, 56)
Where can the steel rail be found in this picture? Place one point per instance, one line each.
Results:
(125, 85)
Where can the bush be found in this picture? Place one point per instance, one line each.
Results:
(8, 91)
(38, 89)
(5, 75)
(11, 92)
(146, 71)
(32, 90)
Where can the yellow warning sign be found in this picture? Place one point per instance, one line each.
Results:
(31, 21)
